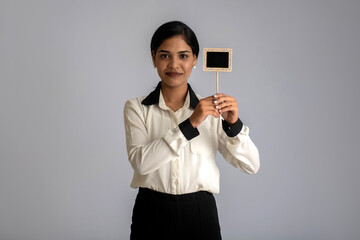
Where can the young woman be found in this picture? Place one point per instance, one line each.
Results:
(172, 137)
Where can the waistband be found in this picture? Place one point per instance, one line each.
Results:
(146, 192)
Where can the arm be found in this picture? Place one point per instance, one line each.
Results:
(234, 142)
(238, 150)
(145, 155)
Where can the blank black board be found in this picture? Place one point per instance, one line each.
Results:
(217, 59)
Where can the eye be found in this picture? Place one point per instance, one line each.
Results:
(164, 56)
(183, 56)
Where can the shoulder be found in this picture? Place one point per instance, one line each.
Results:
(135, 100)
(133, 104)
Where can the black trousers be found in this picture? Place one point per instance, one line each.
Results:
(165, 216)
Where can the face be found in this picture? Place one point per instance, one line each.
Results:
(174, 61)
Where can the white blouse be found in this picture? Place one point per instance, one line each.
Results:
(169, 155)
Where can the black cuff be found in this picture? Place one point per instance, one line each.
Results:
(234, 129)
(188, 130)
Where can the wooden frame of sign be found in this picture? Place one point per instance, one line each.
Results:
(217, 60)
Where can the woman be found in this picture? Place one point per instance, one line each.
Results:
(172, 137)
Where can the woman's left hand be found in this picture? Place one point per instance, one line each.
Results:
(227, 107)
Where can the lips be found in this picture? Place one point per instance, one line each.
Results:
(173, 74)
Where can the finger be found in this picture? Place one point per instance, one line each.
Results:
(225, 99)
(215, 113)
(212, 97)
(219, 99)
(227, 104)
(206, 109)
(232, 109)
(208, 99)
(212, 104)
(217, 95)
(211, 111)
(206, 104)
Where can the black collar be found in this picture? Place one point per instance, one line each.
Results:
(153, 97)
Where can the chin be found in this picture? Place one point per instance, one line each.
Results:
(173, 82)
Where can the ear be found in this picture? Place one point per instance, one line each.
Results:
(153, 57)
(194, 60)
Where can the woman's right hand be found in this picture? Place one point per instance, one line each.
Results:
(207, 106)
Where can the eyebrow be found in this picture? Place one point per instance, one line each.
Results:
(164, 51)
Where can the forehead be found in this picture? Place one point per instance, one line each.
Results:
(175, 44)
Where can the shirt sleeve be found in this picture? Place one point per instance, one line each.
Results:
(147, 156)
(188, 130)
(234, 129)
(237, 148)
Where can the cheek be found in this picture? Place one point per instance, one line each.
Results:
(160, 65)
(189, 66)
(159, 71)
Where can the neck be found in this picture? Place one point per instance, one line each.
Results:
(174, 97)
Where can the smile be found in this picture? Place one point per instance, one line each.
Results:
(173, 74)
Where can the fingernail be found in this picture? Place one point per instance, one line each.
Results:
(219, 110)
(215, 101)
(216, 106)
(215, 96)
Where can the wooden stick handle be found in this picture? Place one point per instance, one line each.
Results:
(217, 82)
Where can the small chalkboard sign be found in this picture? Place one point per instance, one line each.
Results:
(217, 60)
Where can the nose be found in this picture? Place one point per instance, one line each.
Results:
(173, 63)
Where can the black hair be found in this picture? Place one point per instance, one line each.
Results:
(171, 29)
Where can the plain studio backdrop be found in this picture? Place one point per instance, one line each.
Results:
(67, 68)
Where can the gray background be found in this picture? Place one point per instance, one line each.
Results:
(67, 68)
